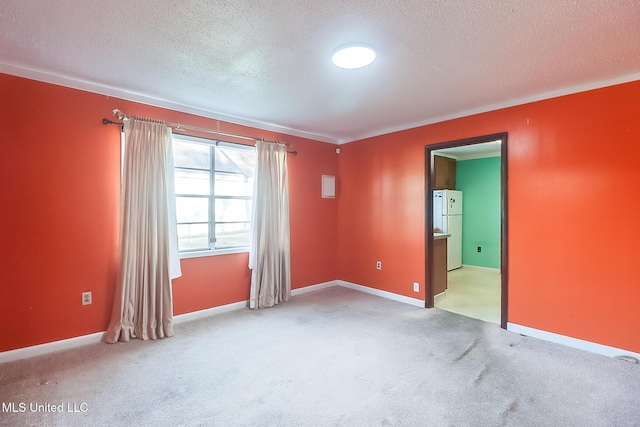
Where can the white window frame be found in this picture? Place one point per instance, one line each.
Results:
(212, 251)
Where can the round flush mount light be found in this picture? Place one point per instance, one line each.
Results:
(353, 56)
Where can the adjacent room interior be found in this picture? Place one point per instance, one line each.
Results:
(473, 284)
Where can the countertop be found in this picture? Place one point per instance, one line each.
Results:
(438, 236)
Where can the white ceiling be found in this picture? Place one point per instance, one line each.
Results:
(473, 151)
(268, 63)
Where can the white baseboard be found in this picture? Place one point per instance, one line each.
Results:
(592, 347)
(50, 347)
(208, 312)
(201, 314)
(477, 267)
(383, 294)
(314, 288)
(38, 350)
(437, 298)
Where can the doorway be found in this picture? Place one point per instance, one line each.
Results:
(469, 145)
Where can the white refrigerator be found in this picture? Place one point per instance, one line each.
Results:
(447, 216)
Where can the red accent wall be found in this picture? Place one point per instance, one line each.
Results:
(574, 177)
(59, 192)
(573, 192)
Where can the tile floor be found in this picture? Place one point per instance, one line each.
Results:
(473, 292)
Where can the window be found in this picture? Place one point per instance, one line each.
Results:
(214, 193)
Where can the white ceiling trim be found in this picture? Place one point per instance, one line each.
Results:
(74, 83)
(492, 107)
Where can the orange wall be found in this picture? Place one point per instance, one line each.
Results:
(573, 166)
(571, 161)
(59, 186)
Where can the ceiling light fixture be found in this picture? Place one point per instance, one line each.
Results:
(353, 56)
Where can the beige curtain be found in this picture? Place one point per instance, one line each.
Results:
(143, 306)
(269, 256)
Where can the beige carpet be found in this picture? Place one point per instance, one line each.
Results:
(335, 357)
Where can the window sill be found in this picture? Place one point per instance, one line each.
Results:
(200, 254)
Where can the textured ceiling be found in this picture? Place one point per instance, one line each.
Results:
(267, 63)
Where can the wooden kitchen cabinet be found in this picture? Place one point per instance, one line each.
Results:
(444, 169)
(440, 263)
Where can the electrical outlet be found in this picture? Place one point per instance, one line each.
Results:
(86, 298)
(379, 265)
(416, 287)
(479, 249)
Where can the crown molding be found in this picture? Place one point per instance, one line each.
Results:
(88, 86)
(498, 106)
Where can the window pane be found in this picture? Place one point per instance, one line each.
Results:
(188, 155)
(192, 209)
(232, 235)
(192, 182)
(234, 160)
(231, 210)
(233, 184)
(193, 237)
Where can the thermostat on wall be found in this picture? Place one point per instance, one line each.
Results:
(328, 187)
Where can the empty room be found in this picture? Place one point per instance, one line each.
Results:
(238, 213)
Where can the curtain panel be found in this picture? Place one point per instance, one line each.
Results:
(269, 255)
(148, 253)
